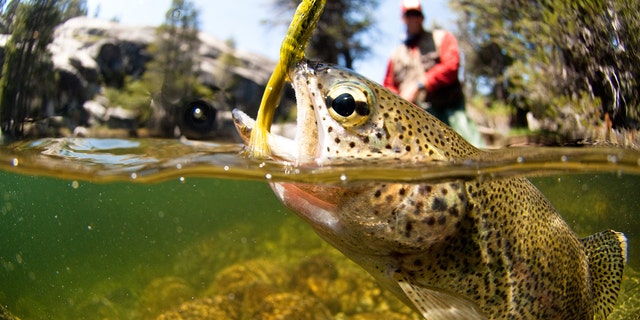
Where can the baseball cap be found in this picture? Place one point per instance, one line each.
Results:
(411, 5)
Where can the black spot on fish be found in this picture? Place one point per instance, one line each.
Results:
(425, 190)
(429, 221)
(442, 220)
(408, 227)
(352, 144)
(438, 205)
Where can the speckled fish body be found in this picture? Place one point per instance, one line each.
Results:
(460, 249)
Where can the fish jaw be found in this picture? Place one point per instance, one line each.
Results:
(304, 148)
(282, 148)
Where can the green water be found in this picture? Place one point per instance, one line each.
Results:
(73, 249)
(60, 240)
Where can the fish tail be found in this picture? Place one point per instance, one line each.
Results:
(607, 254)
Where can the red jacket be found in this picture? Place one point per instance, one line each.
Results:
(442, 74)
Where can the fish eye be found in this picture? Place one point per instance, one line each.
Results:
(349, 103)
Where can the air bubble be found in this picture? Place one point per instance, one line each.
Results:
(75, 184)
(564, 158)
(612, 158)
(14, 162)
(181, 179)
(268, 176)
(520, 159)
(134, 175)
(343, 177)
(225, 168)
(179, 166)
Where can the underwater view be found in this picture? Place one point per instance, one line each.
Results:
(170, 229)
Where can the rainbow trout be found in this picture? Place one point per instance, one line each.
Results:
(460, 249)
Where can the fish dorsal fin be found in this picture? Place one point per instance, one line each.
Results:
(438, 305)
(607, 254)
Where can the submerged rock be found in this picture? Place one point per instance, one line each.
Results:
(164, 294)
(289, 305)
(6, 315)
(217, 307)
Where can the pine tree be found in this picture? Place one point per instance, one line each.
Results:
(27, 74)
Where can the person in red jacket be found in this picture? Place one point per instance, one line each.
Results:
(424, 70)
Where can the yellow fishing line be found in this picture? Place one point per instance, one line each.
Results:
(291, 52)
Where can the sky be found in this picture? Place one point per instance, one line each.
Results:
(241, 21)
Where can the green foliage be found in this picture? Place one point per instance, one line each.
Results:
(538, 54)
(28, 79)
(27, 73)
(339, 36)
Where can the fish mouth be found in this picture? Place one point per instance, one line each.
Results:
(282, 148)
(305, 147)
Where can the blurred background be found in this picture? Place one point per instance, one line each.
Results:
(545, 72)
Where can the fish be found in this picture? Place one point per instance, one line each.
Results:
(452, 249)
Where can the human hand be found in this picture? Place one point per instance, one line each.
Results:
(410, 93)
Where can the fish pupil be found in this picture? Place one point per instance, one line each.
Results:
(344, 104)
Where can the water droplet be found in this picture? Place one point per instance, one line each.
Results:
(179, 166)
(14, 162)
(564, 158)
(182, 179)
(225, 168)
(75, 184)
(520, 159)
(134, 175)
(89, 227)
(268, 176)
(343, 177)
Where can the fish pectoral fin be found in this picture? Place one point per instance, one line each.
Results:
(439, 305)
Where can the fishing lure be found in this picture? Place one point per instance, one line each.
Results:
(292, 50)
